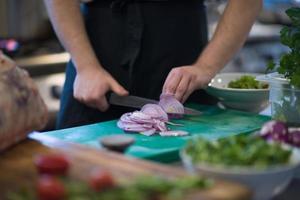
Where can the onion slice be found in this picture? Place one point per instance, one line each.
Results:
(159, 125)
(149, 132)
(155, 111)
(174, 124)
(133, 127)
(171, 105)
(173, 133)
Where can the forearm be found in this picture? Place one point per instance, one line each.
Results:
(68, 23)
(230, 34)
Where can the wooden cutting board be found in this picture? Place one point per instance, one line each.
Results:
(212, 124)
(17, 168)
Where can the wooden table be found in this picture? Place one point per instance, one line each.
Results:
(17, 167)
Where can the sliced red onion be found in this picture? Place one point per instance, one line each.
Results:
(149, 132)
(174, 124)
(153, 118)
(294, 138)
(173, 133)
(275, 130)
(171, 105)
(159, 125)
(126, 118)
(140, 117)
(155, 111)
(278, 131)
(133, 127)
(123, 125)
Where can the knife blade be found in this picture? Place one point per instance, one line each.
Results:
(139, 102)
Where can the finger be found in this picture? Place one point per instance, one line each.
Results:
(78, 97)
(172, 82)
(117, 88)
(91, 104)
(188, 92)
(182, 88)
(88, 102)
(96, 100)
(101, 104)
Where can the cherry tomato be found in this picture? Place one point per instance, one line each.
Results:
(100, 180)
(53, 164)
(50, 188)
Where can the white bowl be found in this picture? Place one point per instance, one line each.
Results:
(265, 183)
(251, 100)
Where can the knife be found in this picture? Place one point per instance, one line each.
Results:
(139, 102)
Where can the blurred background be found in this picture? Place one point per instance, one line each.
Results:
(27, 36)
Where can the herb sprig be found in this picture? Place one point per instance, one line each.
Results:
(289, 64)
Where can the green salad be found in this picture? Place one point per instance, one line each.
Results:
(241, 150)
(247, 82)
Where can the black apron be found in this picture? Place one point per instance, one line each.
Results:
(138, 43)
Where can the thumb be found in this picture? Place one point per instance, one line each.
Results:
(117, 88)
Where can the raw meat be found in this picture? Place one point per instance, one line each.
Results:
(22, 110)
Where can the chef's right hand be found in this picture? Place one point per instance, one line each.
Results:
(91, 85)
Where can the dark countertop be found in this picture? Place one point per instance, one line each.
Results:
(292, 192)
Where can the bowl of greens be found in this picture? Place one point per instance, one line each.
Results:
(265, 167)
(240, 91)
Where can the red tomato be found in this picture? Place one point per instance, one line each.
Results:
(53, 164)
(50, 188)
(100, 180)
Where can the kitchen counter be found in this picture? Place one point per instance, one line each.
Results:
(17, 168)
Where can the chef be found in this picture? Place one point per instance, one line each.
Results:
(143, 48)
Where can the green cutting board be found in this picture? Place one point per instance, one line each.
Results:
(212, 124)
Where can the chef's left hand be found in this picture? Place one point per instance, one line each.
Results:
(183, 81)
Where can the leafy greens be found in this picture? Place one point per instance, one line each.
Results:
(289, 64)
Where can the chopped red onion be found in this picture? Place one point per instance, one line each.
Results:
(149, 132)
(173, 133)
(133, 127)
(153, 118)
(275, 130)
(140, 117)
(278, 131)
(171, 105)
(160, 125)
(294, 138)
(125, 118)
(174, 124)
(155, 111)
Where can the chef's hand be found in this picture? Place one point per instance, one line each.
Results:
(91, 85)
(182, 81)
